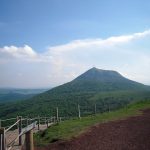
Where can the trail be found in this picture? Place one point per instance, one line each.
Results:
(132, 133)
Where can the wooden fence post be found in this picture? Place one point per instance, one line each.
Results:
(57, 119)
(79, 113)
(27, 121)
(38, 122)
(47, 122)
(2, 139)
(29, 140)
(17, 124)
(30, 121)
(95, 109)
(20, 128)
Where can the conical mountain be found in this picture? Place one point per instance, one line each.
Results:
(96, 80)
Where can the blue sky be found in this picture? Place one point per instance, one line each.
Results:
(47, 43)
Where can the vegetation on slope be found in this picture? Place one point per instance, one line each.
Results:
(74, 127)
(67, 104)
(106, 89)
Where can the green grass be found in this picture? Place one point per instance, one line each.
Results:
(73, 128)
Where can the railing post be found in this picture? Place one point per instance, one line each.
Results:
(30, 121)
(38, 122)
(2, 139)
(17, 120)
(29, 140)
(47, 122)
(27, 121)
(95, 109)
(20, 128)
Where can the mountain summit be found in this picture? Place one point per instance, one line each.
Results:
(100, 75)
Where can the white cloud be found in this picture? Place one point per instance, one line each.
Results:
(25, 52)
(87, 43)
(62, 63)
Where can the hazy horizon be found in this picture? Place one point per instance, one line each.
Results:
(50, 87)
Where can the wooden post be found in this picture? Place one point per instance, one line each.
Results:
(20, 128)
(57, 119)
(17, 124)
(29, 140)
(95, 109)
(2, 139)
(27, 121)
(38, 122)
(47, 122)
(30, 121)
(79, 113)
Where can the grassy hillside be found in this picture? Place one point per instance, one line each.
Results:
(67, 103)
(72, 128)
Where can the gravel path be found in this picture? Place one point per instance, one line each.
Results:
(129, 134)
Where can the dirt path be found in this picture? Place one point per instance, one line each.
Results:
(130, 134)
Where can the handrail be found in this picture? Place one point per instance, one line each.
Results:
(8, 119)
(12, 125)
(33, 122)
(26, 118)
(29, 127)
(26, 129)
